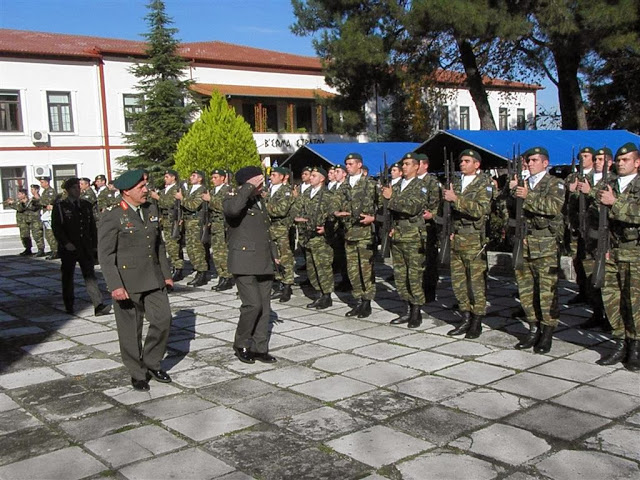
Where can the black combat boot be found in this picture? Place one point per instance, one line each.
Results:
(324, 301)
(276, 290)
(365, 311)
(544, 343)
(26, 243)
(403, 318)
(40, 253)
(285, 296)
(617, 355)
(225, 284)
(475, 328)
(463, 327)
(597, 321)
(177, 275)
(415, 316)
(531, 339)
(633, 358)
(355, 310)
(199, 280)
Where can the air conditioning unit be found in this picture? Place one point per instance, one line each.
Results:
(41, 171)
(40, 136)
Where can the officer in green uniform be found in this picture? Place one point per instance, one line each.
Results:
(543, 198)
(47, 199)
(167, 206)
(135, 266)
(357, 208)
(407, 202)
(219, 252)
(470, 197)
(621, 289)
(28, 220)
(281, 209)
(316, 205)
(192, 217)
(430, 281)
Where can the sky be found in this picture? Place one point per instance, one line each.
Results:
(255, 23)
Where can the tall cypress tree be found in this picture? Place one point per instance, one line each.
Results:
(166, 99)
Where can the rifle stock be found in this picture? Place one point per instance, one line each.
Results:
(386, 216)
(446, 227)
(176, 227)
(205, 235)
(603, 236)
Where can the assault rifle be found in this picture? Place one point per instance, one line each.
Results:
(520, 223)
(582, 204)
(446, 221)
(603, 235)
(385, 247)
(176, 227)
(205, 231)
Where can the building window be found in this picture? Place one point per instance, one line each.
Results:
(132, 106)
(443, 117)
(272, 117)
(521, 122)
(303, 118)
(62, 173)
(60, 118)
(249, 115)
(503, 119)
(464, 118)
(12, 179)
(10, 116)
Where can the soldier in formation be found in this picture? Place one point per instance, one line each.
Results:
(48, 198)
(28, 220)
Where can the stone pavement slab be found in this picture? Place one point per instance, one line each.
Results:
(29, 442)
(570, 465)
(333, 388)
(341, 362)
(489, 403)
(28, 377)
(381, 404)
(101, 424)
(382, 373)
(476, 373)
(277, 405)
(322, 423)
(288, 376)
(432, 388)
(536, 386)
(442, 465)
(210, 423)
(618, 440)
(596, 400)
(70, 463)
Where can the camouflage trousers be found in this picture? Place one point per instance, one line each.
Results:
(537, 285)
(360, 268)
(621, 298)
(430, 277)
(51, 239)
(579, 255)
(174, 251)
(468, 273)
(219, 252)
(32, 228)
(287, 260)
(319, 258)
(195, 248)
(408, 269)
(594, 295)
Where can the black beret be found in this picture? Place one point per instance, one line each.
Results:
(85, 179)
(422, 157)
(365, 168)
(70, 182)
(339, 166)
(129, 179)
(321, 171)
(537, 151)
(411, 155)
(245, 173)
(307, 169)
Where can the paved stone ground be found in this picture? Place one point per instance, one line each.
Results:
(347, 399)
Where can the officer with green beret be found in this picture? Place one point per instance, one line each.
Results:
(192, 216)
(135, 266)
(543, 198)
(621, 289)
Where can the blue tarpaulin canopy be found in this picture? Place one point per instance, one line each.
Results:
(324, 154)
(496, 146)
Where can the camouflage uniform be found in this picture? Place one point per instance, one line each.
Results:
(219, 249)
(430, 280)
(166, 205)
(319, 254)
(406, 208)
(470, 213)
(336, 239)
(106, 198)
(542, 210)
(361, 198)
(48, 198)
(29, 224)
(281, 209)
(89, 195)
(191, 213)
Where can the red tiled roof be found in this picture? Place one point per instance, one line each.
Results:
(249, 91)
(449, 77)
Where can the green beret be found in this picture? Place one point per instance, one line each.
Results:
(129, 179)
(219, 171)
(397, 165)
(353, 156)
(626, 148)
(48, 179)
(604, 151)
(411, 155)
(307, 169)
(422, 157)
(526, 153)
(37, 187)
(101, 177)
(321, 171)
(199, 172)
(331, 167)
(590, 150)
(171, 172)
(536, 151)
(280, 170)
(470, 153)
(339, 166)
(365, 168)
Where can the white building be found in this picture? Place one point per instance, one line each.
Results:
(65, 99)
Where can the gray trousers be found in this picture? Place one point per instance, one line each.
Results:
(129, 315)
(253, 324)
(68, 267)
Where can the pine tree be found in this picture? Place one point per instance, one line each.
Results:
(220, 138)
(165, 97)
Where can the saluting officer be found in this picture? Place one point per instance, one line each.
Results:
(543, 198)
(470, 197)
(357, 208)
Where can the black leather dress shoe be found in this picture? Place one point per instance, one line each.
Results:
(400, 320)
(264, 357)
(244, 355)
(102, 309)
(140, 385)
(160, 375)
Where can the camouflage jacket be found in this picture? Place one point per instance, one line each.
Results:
(89, 195)
(192, 202)
(434, 197)
(316, 210)
(624, 221)
(471, 209)
(571, 208)
(48, 198)
(542, 208)
(216, 213)
(359, 199)
(281, 210)
(107, 198)
(406, 208)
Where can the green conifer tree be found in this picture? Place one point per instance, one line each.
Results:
(165, 97)
(220, 138)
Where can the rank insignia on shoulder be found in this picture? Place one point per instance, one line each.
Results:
(423, 190)
(561, 186)
(287, 194)
(490, 189)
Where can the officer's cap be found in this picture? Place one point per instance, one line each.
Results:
(280, 170)
(219, 171)
(101, 177)
(627, 148)
(320, 170)
(70, 182)
(470, 153)
(48, 179)
(353, 156)
(129, 179)
(245, 173)
(199, 172)
(171, 172)
(605, 151)
(536, 151)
